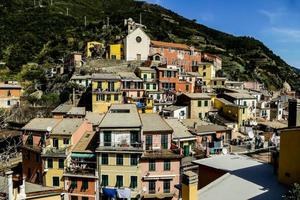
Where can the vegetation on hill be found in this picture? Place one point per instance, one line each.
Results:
(45, 33)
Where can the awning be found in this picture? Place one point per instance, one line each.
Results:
(83, 155)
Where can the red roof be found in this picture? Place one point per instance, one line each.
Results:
(169, 45)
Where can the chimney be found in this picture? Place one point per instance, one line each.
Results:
(9, 184)
(294, 113)
(189, 187)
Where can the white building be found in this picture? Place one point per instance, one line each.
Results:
(136, 45)
(83, 80)
(178, 112)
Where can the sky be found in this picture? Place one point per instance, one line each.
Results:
(274, 22)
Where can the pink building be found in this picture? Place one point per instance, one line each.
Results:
(180, 55)
(160, 166)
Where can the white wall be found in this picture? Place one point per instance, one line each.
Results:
(132, 47)
(176, 113)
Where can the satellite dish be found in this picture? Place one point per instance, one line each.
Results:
(49, 128)
(251, 134)
(224, 151)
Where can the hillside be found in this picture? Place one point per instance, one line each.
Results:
(46, 33)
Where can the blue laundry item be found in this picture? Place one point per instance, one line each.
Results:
(124, 193)
(111, 193)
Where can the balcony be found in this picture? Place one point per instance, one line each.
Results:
(121, 146)
(80, 171)
(106, 91)
(55, 151)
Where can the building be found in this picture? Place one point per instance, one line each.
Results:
(160, 166)
(189, 82)
(11, 187)
(136, 45)
(243, 99)
(106, 89)
(289, 159)
(276, 109)
(231, 111)
(47, 142)
(82, 80)
(182, 137)
(10, 94)
(199, 104)
(148, 75)
(177, 112)
(235, 177)
(80, 174)
(180, 55)
(216, 60)
(93, 48)
(68, 111)
(116, 52)
(211, 138)
(234, 85)
(158, 100)
(119, 151)
(132, 87)
(167, 78)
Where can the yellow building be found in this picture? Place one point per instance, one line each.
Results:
(189, 186)
(91, 45)
(289, 156)
(106, 89)
(208, 72)
(116, 52)
(236, 113)
(199, 104)
(120, 148)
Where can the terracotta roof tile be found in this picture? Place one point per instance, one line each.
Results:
(169, 44)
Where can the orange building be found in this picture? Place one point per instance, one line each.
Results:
(9, 95)
(180, 55)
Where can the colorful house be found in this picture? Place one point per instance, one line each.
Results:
(160, 166)
(106, 89)
(199, 104)
(116, 52)
(132, 86)
(180, 55)
(149, 76)
(47, 142)
(167, 77)
(81, 175)
(119, 151)
(10, 94)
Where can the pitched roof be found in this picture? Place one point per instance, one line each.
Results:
(129, 76)
(154, 122)
(169, 45)
(84, 144)
(106, 76)
(67, 126)
(146, 69)
(62, 108)
(197, 95)
(172, 108)
(121, 116)
(81, 77)
(180, 131)
(240, 95)
(10, 86)
(41, 124)
(210, 128)
(94, 118)
(77, 111)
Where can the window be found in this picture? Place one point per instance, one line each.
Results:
(37, 157)
(55, 142)
(119, 181)
(55, 181)
(66, 140)
(147, 86)
(164, 141)
(169, 49)
(243, 110)
(107, 138)
(134, 159)
(145, 77)
(30, 139)
(187, 88)
(104, 180)
(50, 163)
(133, 181)
(151, 187)
(204, 74)
(116, 97)
(99, 85)
(206, 103)
(108, 97)
(204, 67)
(245, 103)
(152, 75)
(138, 93)
(8, 102)
(74, 197)
(85, 185)
(138, 39)
(223, 82)
(134, 137)
(152, 165)
(148, 142)
(119, 159)
(167, 165)
(73, 184)
(154, 86)
(84, 198)
(104, 160)
(215, 82)
(166, 186)
(199, 103)
(200, 115)
(8, 93)
(60, 163)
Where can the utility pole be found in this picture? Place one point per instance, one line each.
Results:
(85, 21)
(67, 11)
(51, 2)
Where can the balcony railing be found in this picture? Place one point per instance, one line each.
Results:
(107, 90)
(56, 150)
(122, 145)
(80, 170)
